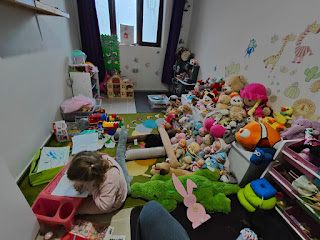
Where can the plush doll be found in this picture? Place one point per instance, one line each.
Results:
(186, 122)
(184, 110)
(223, 102)
(210, 193)
(180, 150)
(234, 84)
(207, 141)
(165, 169)
(192, 152)
(262, 156)
(254, 97)
(297, 128)
(280, 119)
(237, 113)
(217, 130)
(229, 134)
(173, 103)
(178, 137)
(197, 126)
(258, 134)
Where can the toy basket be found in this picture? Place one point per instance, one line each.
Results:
(70, 117)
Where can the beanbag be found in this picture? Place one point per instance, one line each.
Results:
(244, 201)
(263, 188)
(255, 201)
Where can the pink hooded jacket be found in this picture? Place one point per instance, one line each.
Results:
(111, 194)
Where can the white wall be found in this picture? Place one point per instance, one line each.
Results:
(147, 78)
(222, 29)
(33, 75)
(17, 220)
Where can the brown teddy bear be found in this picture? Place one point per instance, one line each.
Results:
(234, 84)
(164, 169)
(223, 102)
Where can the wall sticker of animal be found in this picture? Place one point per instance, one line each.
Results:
(275, 58)
(301, 51)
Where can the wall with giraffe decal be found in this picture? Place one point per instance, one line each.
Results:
(286, 58)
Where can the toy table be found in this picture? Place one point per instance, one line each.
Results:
(54, 210)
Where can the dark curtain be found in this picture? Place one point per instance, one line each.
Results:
(90, 34)
(175, 26)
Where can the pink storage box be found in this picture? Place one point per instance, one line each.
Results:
(54, 210)
(313, 165)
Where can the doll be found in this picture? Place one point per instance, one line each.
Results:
(180, 150)
(255, 98)
(216, 161)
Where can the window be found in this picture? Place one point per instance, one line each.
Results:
(145, 15)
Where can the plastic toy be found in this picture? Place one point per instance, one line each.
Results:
(196, 212)
(54, 210)
(211, 194)
(254, 95)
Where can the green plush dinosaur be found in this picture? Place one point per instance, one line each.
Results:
(209, 192)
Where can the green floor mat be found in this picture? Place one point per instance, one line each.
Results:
(139, 169)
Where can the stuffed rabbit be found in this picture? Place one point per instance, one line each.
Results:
(195, 212)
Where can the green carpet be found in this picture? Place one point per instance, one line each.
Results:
(139, 168)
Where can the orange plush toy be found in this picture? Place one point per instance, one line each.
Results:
(258, 134)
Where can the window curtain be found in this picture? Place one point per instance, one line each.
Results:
(175, 27)
(90, 34)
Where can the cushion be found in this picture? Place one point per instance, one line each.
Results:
(244, 201)
(263, 188)
(255, 201)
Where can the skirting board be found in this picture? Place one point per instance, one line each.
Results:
(24, 171)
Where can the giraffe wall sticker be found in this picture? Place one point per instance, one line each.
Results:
(275, 58)
(302, 51)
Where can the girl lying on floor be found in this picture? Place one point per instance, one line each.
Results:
(102, 176)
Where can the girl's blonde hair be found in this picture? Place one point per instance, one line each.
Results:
(88, 166)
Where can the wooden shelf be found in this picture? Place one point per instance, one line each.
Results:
(38, 7)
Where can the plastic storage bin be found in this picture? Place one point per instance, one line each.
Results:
(54, 211)
(70, 117)
(157, 103)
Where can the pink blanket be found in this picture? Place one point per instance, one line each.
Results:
(75, 103)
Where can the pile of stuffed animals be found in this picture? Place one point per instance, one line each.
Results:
(232, 110)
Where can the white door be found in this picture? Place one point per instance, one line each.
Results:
(17, 220)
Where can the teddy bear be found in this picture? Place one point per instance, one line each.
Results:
(184, 110)
(173, 103)
(237, 113)
(223, 102)
(186, 122)
(234, 84)
(207, 140)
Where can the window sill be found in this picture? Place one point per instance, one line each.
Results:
(136, 45)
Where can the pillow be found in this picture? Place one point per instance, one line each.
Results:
(263, 188)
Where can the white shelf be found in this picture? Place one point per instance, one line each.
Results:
(38, 7)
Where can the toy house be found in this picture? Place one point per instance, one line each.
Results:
(119, 87)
